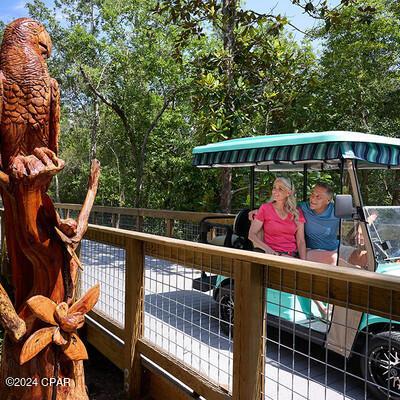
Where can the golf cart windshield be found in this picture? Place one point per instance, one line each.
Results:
(384, 228)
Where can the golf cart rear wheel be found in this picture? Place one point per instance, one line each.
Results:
(225, 304)
(381, 368)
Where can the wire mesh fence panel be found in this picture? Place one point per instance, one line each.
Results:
(106, 265)
(180, 228)
(68, 213)
(186, 230)
(185, 322)
(317, 350)
(155, 226)
(104, 218)
(128, 222)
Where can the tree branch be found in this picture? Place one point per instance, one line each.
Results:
(83, 217)
(274, 17)
(155, 121)
(9, 318)
(112, 104)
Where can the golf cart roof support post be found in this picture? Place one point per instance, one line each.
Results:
(305, 182)
(341, 176)
(252, 188)
(357, 198)
(340, 192)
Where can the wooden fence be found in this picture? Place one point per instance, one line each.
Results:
(140, 359)
(113, 216)
(152, 372)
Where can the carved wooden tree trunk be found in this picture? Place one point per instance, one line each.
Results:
(39, 260)
(42, 353)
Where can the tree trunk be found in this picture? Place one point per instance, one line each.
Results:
(226, 192)
(40, 265)
(396, 191)
(228, 33)
(139, 183)
(364, 186)
(95, 128)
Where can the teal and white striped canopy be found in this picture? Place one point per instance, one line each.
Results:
(319, 150)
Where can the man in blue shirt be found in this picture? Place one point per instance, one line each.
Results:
(321, 227)
(321, 230)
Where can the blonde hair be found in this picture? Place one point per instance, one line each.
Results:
(291, 203)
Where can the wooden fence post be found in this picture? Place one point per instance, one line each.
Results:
(134, 291)
(169, 227)
(118, 220)
(139, 223)
(248, 330)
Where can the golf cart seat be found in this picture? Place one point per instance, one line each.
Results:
(241, 227)
(236, 236)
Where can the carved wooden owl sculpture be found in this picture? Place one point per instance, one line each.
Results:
(29, 130)
(30, 109)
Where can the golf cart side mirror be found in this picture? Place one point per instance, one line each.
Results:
(344, 206)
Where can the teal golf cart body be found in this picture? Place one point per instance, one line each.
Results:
(370, 234)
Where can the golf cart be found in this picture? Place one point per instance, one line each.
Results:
(369, 238)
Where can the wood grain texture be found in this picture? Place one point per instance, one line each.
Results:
(42, 263)
(9, 319)
(134, 293)
(182, 372)
(248, 330)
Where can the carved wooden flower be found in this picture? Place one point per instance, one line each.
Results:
(65, 321)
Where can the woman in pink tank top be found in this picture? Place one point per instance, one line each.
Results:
(282, 223)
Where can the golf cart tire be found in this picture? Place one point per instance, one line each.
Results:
(225, 308)
(379, 345)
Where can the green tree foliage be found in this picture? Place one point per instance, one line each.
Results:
(143, 82)
(358, 81)
(247, 76)
(118, 54)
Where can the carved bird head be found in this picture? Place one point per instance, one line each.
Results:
(27, 32)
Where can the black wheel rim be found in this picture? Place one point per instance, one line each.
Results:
(384, 369)
(226, 308)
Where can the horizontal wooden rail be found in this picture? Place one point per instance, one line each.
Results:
(106, 344)
(146, 212)
(186, 375)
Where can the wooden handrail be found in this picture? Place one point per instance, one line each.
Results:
(145, 212)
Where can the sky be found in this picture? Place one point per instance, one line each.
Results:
(11, 9)
(284, 7)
